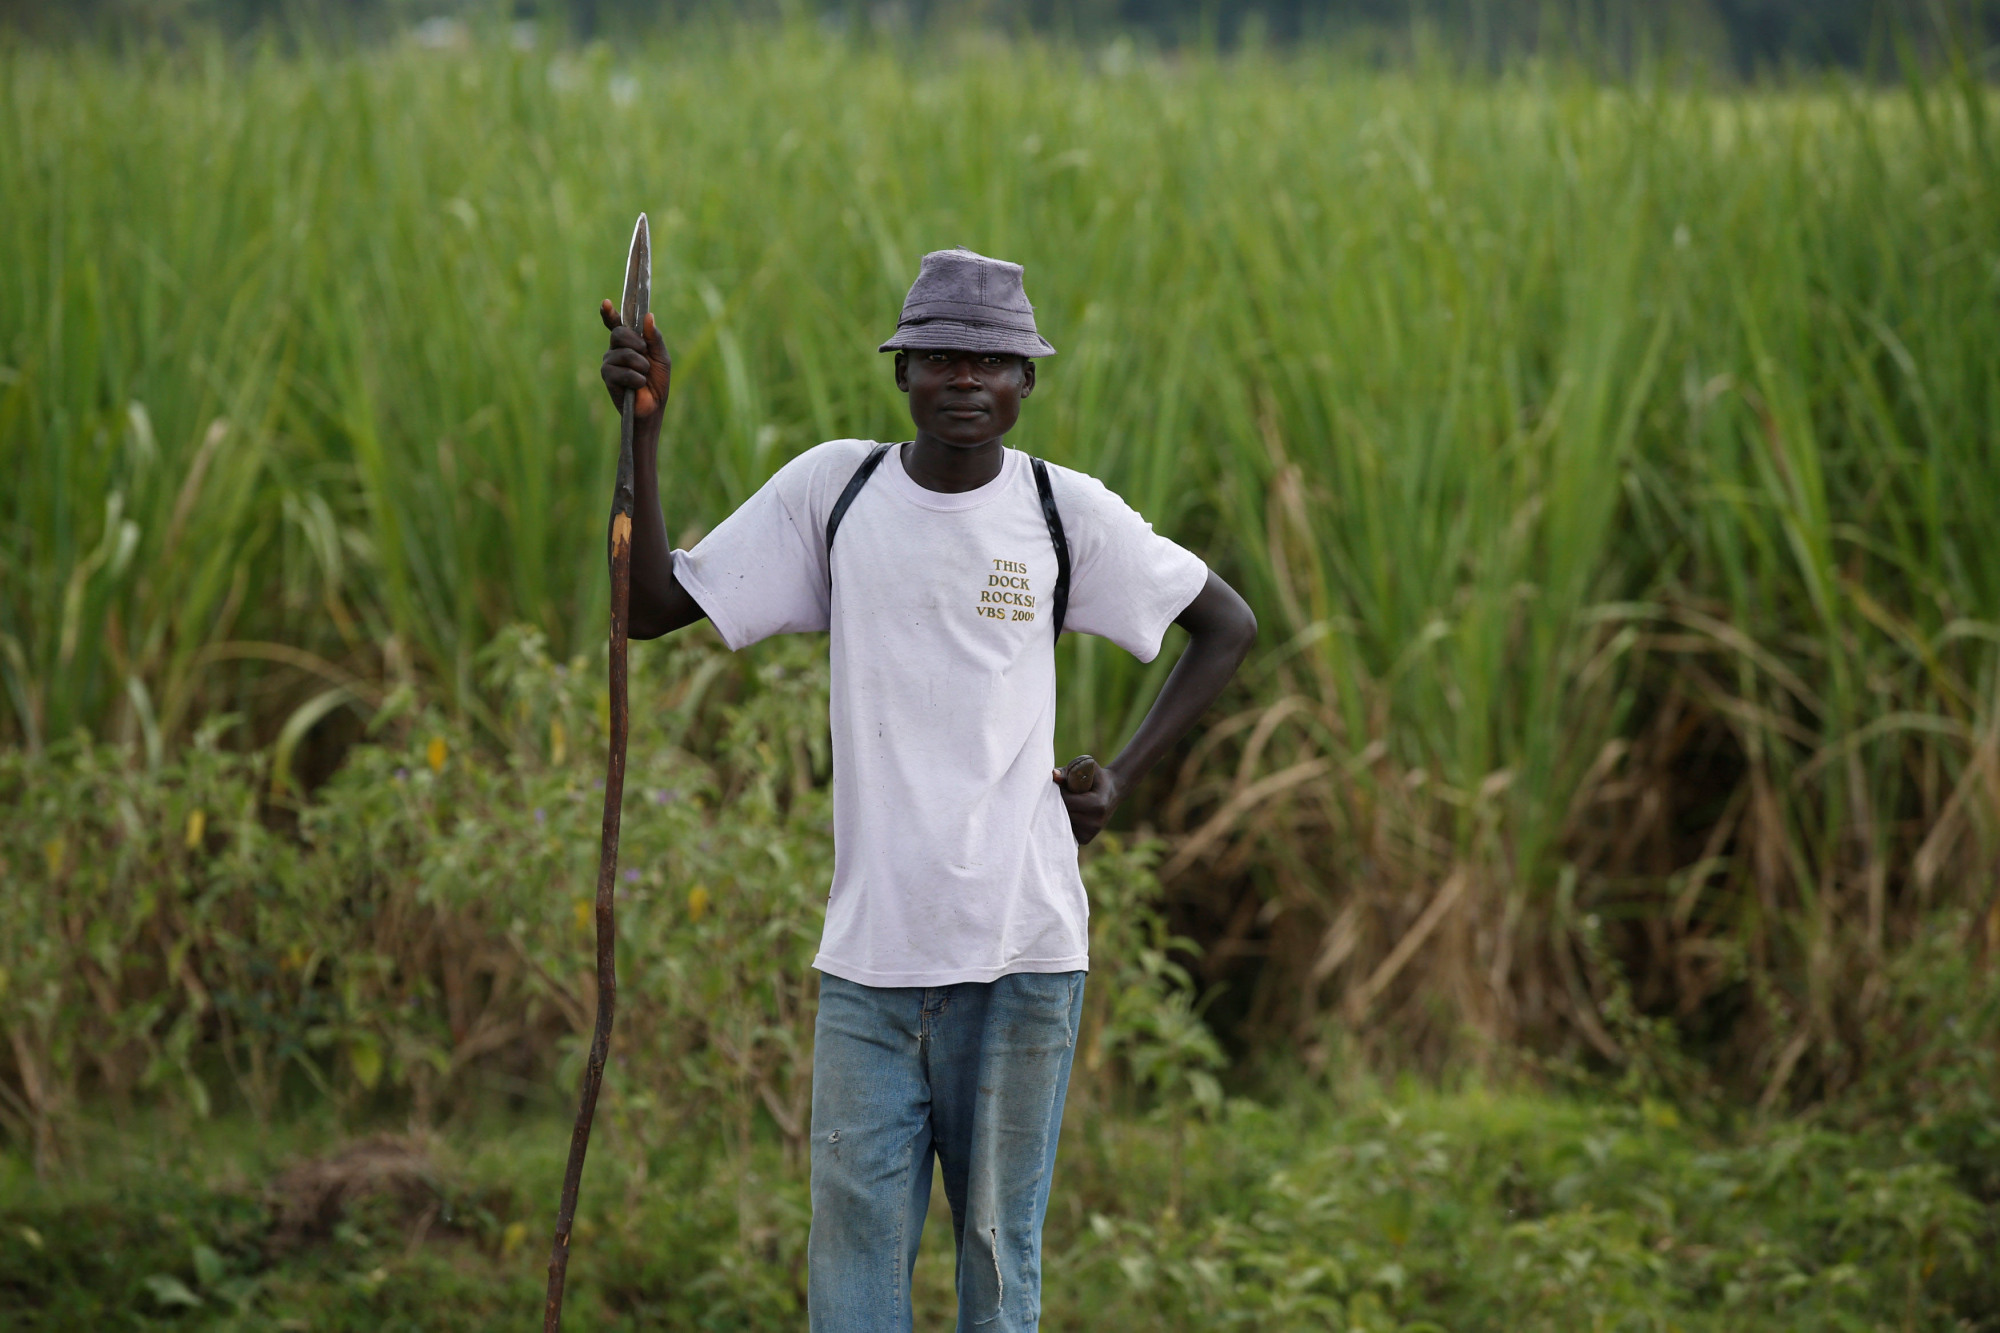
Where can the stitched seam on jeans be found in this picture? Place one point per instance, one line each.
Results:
(898, 1272)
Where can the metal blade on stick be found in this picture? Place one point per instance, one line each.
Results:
(638, 277)
(632, 313)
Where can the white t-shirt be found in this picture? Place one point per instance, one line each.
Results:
(953, 856)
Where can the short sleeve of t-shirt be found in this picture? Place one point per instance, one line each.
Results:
(1126, 582)
(762, 570)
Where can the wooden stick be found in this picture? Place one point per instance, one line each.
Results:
(607, 871)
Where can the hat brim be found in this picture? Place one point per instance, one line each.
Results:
(950, 335)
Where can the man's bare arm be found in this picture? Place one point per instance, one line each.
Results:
(660, 604)
(1221, 629)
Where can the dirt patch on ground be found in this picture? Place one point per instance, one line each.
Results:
(309, 1198)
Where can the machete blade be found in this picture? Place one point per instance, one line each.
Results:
(638, 278)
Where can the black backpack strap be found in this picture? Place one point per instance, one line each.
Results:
(854, 485)
(1054, 517)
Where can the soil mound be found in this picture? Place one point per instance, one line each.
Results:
(311, 1197)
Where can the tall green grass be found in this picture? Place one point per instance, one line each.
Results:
(1610, 466)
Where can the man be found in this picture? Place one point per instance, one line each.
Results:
(955, 945)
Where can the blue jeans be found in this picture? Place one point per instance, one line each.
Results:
(974, 1073)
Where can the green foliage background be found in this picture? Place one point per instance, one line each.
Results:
(1608, 464)
(206, 1012)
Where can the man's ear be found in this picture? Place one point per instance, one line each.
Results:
(1027, 376)
(903, 371)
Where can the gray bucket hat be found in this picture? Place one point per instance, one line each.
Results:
(964, 302)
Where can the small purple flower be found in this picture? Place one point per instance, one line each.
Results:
(631, 877)
(402, 775)
(540, 817)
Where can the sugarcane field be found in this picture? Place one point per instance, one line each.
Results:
(1162, 666)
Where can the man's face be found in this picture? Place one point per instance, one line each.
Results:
(965, 399)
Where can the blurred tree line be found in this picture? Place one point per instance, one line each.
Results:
(1750, 36)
